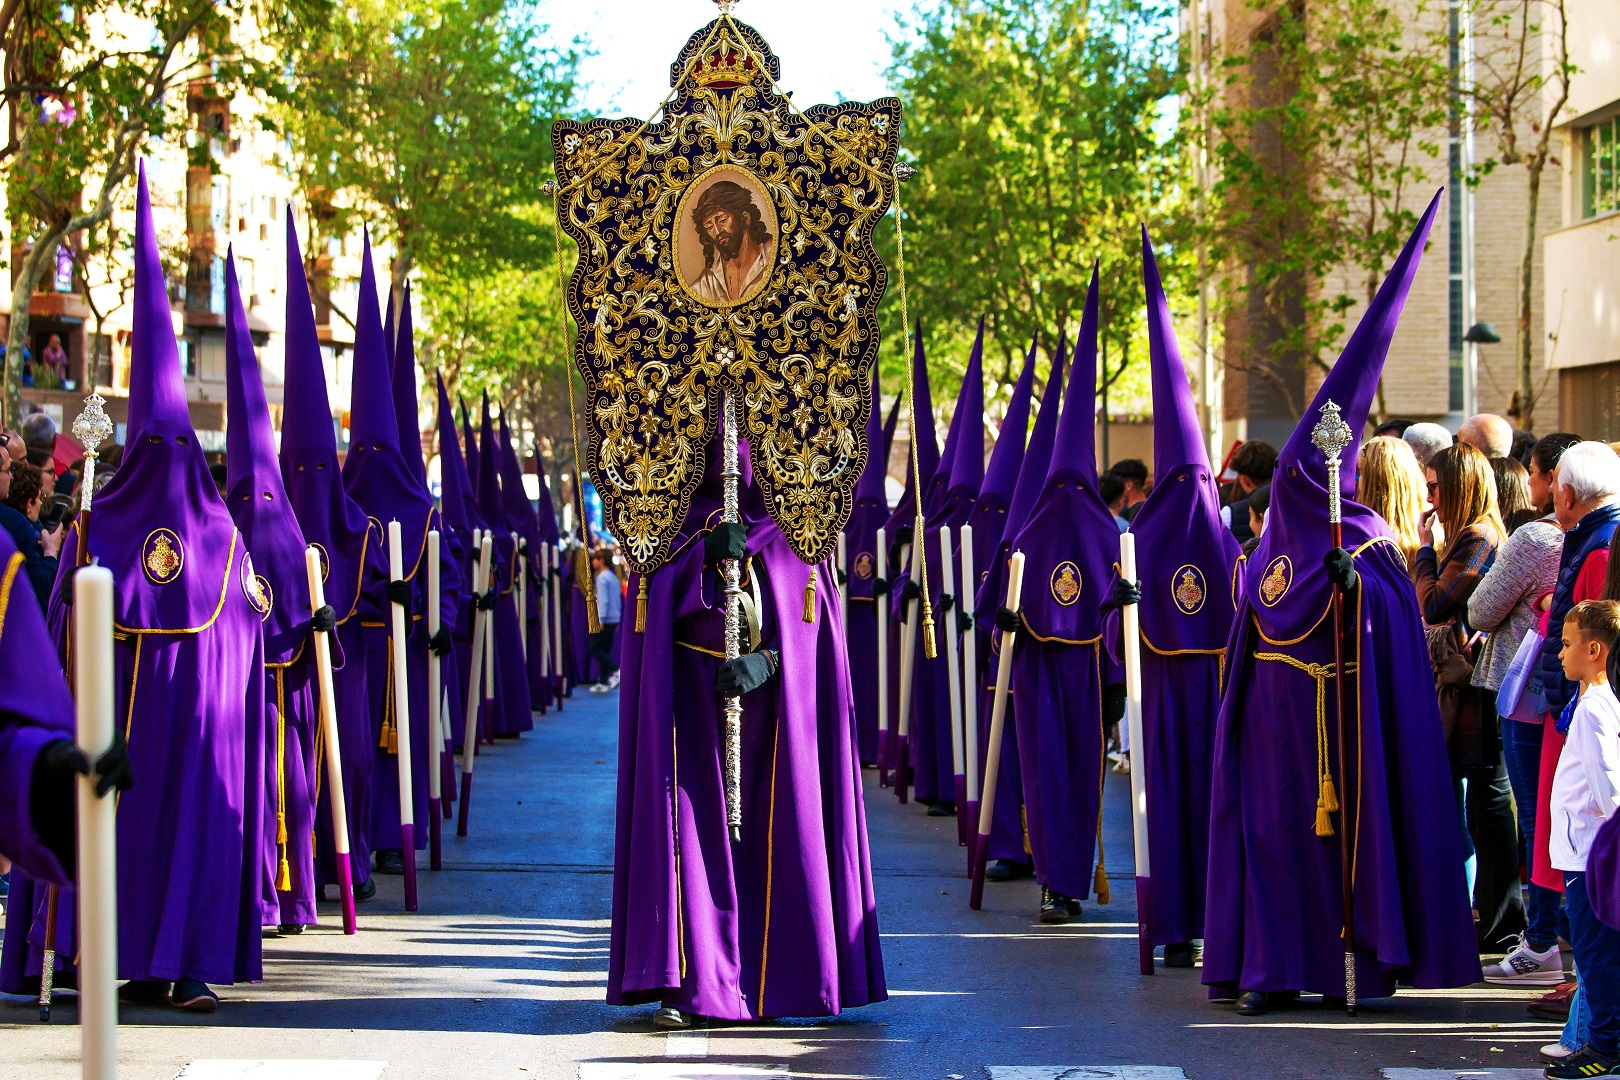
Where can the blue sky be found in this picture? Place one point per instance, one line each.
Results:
(829, 48)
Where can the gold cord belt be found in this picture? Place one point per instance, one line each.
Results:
(1327, 796)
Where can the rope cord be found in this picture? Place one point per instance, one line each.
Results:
(1327, 796)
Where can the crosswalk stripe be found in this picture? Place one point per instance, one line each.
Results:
(1462, 1074)
(669, 1070)
(686, 1044)
(266, 1069)
(1085, 1072)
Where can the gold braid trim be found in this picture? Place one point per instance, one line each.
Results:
(283, 871)
(12, 566)
(1327, 795)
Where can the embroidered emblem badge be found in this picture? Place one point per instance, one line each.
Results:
(1066, 583)
(1187, 586)
(162, 556)
(326, 561)
(256, 589)
(864, 566)
(1279, 575)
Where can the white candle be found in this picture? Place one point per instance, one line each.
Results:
(435, 702)
(402, 723)
(1131, 629)
(998, 726)
(970, 680)
(469, 738)
(98, 827)
(947, 564)
(520, 591)
(329, 736)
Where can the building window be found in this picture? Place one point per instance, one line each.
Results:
(216, 287)
(1600, 157)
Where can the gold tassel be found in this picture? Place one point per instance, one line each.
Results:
(1330, 794)
(810, 597)
(1023, 821)
(393, 738)
(281, 829)
(930, 648)
(641, 606)
(283, 874)
(587, 585)
(1324, 824)
(1099, 877)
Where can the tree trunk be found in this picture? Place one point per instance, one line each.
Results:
(28, 278)
(1527, 265)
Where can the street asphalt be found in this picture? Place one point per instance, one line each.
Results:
(501, 975)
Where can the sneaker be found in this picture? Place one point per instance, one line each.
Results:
(1057, 908)
(1526, 967)
(1555, 1054)
(613, 681)
(672, 1019)
(1120, 762)
(600, 688)
(1183, 954)
(1581, 1064)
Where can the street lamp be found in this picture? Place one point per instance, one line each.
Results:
(1481, 333)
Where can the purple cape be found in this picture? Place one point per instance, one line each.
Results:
(354, 565)
(522, 519)
(784, 924)
(1070, 544)
(860, 544)
(1273, 915)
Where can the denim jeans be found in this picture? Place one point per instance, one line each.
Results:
(1521, 749)
(1574, 1036)
(1597, 956)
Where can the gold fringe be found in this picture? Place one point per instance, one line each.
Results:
(930, 647)
(641, 605)
(1330, 795)
(1324, 823)
(587, 583)
(810, 597)
(283, 871)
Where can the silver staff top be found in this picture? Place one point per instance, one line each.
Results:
(92, 428)
(1331, 435)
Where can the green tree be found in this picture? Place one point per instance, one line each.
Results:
(1326, 138)
(1035, 127)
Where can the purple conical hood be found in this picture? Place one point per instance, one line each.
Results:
(1075, 450)
(375, 473)
(402, 359)
(489, 471)
(1184, 555)
(989, 517)
(869, 490)
(254, 492)
(470, 440)
(550, 533)
(926, 455)
(1285, 580)
(157, 385)
(1070, 540)
(389, 334)
(456, 501)
(327, 516)
(520, 517)
(159, 524)
(967, 465)
(889, 425)
(1031, 475)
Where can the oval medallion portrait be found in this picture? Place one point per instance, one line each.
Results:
(326, 561)
(864, 566)
(1187, 586)
(1066, 583)
(725, 238)
(1279, 575)
(162, 556)
(256, 589)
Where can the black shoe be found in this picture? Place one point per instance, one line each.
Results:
(365, 891)
(291, 929)
(669, 1018)
(1181, 955)
(150, 992)
(390, 862)
(1007, 870)
(1251, 1003)
(193, 996)
(1581, 1064)
(1057, 908)
(940, 808)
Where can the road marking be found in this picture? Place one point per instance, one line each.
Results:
(663, 1070)
(686, 1044)
(1085, 1072)
(1462, 1074)
(224, 1069)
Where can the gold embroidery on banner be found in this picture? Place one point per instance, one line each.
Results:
(1187, 586)
(162, 556)
(774, 293)
(1279, 575)
(1066, 583)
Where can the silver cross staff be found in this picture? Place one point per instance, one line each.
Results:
(1331, 435)
(92, 428)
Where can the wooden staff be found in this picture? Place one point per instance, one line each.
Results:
(97, 878)
(953, 669)
(492, 580)
(998, 727)
(561, 669)
(970, 694)
(881, 602)
(544, 601)
(1131, 624)
(469, 737)
(435, 710)
(329, 735)
(402, 723)
(908, 663)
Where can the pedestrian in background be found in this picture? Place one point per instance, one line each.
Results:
(610, 611)
(1389, 482)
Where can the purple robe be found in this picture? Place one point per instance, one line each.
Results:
(1070, 544)
(860, 545)
(1273, 912)
(522, 519)
(783, 924)
(513, 713)
(460, 514)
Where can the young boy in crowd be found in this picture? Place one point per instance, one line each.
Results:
(1585, 792)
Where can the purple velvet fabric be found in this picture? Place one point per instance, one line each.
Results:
(402, 369)
(868, 515)
(522, 519)
(512, 707)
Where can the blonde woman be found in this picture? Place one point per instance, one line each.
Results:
(1389, 482)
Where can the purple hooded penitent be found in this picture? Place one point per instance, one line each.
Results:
(955, 486)
(1070, 545)
(1274, 912)
(376, 475)
(354, 565)
(1184, 560)
(470, 439)
(990, 519)
(522, 519)
(189, 669)
(860, 543)
(402, 368)
(889, 425)
(257, 501)
(513, 713)
(782, 924)
(459, 508)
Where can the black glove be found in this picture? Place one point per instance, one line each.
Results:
(902, 537)
(748, 672)
(1341, 569)
(486, 602)
(1113, 703)
(323, 620)
(1124, 594)
(909, 591)
(67, 585)
(843, 578)
(727, 540)
(64, 759)
(556, 572)
(964, 621)
(946, 600)
(398, 592)
(1009, 621)
(880, 587)
(440, 643)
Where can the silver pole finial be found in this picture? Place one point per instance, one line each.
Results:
(1331, 435)
(725, 6)
(92, 428)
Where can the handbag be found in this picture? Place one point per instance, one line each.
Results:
(1520, 697)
